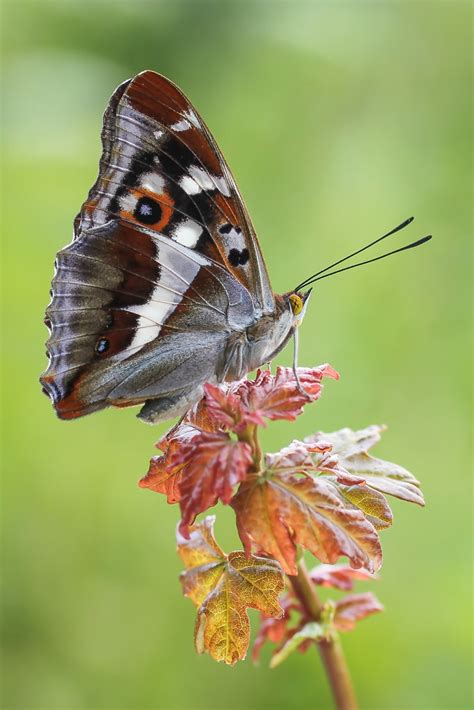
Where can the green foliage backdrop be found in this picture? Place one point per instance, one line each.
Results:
(339, 119)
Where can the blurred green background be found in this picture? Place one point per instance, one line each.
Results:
(339, 120)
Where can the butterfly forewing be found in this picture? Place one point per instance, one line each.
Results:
(164, 267)
(162, 169)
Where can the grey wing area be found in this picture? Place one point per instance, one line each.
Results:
(137, 317)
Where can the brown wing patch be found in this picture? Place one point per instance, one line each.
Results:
(97, 277)
(156, 96)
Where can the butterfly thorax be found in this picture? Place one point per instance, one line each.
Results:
(260, 342)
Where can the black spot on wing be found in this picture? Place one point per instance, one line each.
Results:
(239, 257)
(147, 211)
(244, 256)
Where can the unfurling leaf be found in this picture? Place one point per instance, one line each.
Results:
(281, 510)
(353, 608)
(296, 630)
(351, 447)
(212, 464)
(278, 396)
(338, 576)
(312, 631)
(274, 629)
(297, 456)
(223, 587)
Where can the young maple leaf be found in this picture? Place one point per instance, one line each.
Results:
(367, 478)
(338, 576)
(353, 608)
(279, 396)
(226, 410)
(298, 634)
(212, 464)
(222, 587)
(303, 457)
(165, 471)
(274, 629)
(236, 405)
(280, 510)
(351, 447)
(197, 469)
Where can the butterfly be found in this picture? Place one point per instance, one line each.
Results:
(164, 287)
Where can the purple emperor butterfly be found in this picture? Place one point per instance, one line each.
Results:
(164, 286)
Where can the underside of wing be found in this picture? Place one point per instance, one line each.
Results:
(136, 315)
(162, 169)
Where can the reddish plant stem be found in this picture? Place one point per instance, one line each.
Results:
(330, 650)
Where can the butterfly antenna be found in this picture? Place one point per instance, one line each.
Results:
(418, 243)
(309, 280)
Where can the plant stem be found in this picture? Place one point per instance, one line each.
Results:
(250, 436)
(330, 649)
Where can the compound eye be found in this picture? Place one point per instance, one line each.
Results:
(297, 304)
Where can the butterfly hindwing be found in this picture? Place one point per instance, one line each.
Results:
(129, 306)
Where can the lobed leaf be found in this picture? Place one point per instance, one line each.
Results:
(297, 455)
(372, 503)
(212, 464)
(274, 629)
(351, 448)
(279, 396)
(165, 471)
(197, 469)
(338, 576)
(353, 608)
(281, 510)
(223, 587)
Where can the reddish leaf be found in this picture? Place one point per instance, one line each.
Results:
(273, 629)
(338, 576)
(223, 587)
(297, 455)
(278, 396)
(303, 456)
(226, 409)
(165, 471)
(197, 469)
(222, 406)
(353, 608)
(211, 465)
(280, 510)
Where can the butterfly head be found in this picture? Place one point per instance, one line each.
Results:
(298, 303)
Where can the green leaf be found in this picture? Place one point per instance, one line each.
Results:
(223, 587)
(312, 631)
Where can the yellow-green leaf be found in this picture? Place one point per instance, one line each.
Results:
(223, 587)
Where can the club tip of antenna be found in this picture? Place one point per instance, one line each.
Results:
(426, 239)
